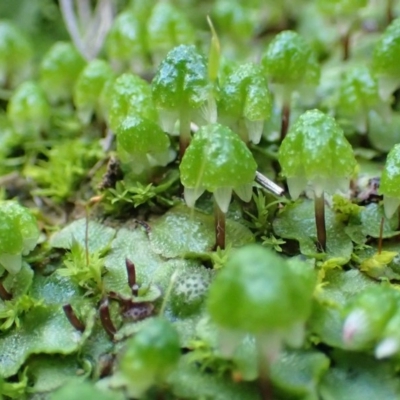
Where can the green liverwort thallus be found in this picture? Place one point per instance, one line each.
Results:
(183, 91)
(18, 235)
(245, 101)
(150, 355)
(390, 182)
(315, 151)
(28, 110)
(290, 65)
(89, 86)
(385, 61)
(59, 69)
(261, 294)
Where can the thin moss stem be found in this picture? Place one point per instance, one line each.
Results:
(319, 204)
(220, 228)
(184, 132)
(285, 120)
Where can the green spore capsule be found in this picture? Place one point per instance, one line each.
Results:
(168, 27)
(89, 86)
(18, 235)
(128, 95)
(182, 91)
(245, 101)
(390, 182)
(358, 94)
(367, 316)
(385, 62)
(259, 293)
(15, 55)
(149, 356)
(290, 65)
(28, 110)
(316, 152)
(141, 143)
(59, 70)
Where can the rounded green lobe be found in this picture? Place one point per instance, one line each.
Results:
(315, 149)
(217, 158)
(340, 8)
(390, 179)
(289, 60)
(245, 93)
(59, 70)
(257, 292)
(358, 91)
(15, 51)
(168, 27)
(129, 95)
(126, 37)
(181, 81)
(385, 59)
(90, 83)
(152, 352)
(137, 135)
(28, 108)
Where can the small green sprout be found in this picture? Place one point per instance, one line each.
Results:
(245, 101)
(316, 152)
(168, 27)
(385, 60)
(28, 110)
(290, 65)
(183, 91)
(88, 88)
(390, 182)
(128, 95)
(126, 40)
(218, 161)
(358, 94)
(15, 55)
(149, 356)
(142, 144)
(259, 293)
(19, 234)
(59, 70)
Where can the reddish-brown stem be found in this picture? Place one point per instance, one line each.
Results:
(285, 117)
(4, 293)
(184, 132)
(105, 318)
(380, 236)
(319, 207)
(346, 45)
(264, 382)
(131, 271)
(389, 11)
(72, 318)
(219, 227)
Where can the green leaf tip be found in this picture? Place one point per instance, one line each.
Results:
(316, 151)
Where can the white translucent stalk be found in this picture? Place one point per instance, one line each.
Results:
(355, 323)
(162, 158)
(270, 346)
(387, 85)
(11, 262)
(229, 341)
(168, 121)
(192, 194)
(295, 336)
(208, 110)
(245, 192)
(223, 198)
(387, 348)
(296, 186)
(254, 130)
(390, 205)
